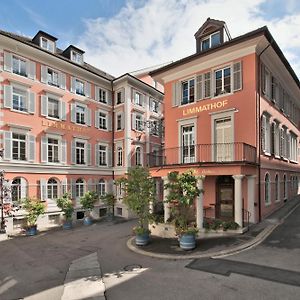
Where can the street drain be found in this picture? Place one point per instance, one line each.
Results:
(132, 267)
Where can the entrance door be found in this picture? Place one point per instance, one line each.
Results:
(188, 144)
(225, 198)
(223, 140)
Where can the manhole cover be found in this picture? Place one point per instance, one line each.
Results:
(132, 267)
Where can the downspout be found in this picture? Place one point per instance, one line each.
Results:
(113, 130)
(259, 126)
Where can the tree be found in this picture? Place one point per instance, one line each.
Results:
(66, 205)
(182, 192)
(109, 200)
(139, 192)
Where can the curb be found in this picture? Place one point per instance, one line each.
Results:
(218, 254)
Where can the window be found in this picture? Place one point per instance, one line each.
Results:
(188, 144)
(154, 106)
(265, 81)
(284, 186)
(52, 188)
(102, 120)
(53, 147)
(76, 57)
(52, 77)
(119, 156)
(265, 134)
(80, 153)
(19, 66)
(16, 190)
(154, 130)
(211, 41)
(119, 97)
(188, 91)
(47, 44)
(102, 155)
(80, 114)
(19, 146)
(277, 188)
(79, 87)
(19, 99)
(119, 122)
(139, 122)
(222, 81)
(293, 147)
(138, 99)
(53, 108)
(101, 187)
(138, 156)
(79, 190)
(102, 96)
(267, 189)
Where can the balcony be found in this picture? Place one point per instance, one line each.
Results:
(204, 154)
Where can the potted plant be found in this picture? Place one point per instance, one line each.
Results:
(109, 200)
(87, 202)
(34, 208)
(182, 192)
(66, 205)
(139, 193)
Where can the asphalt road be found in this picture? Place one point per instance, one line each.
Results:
(35, 267)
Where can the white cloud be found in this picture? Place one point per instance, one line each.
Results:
(160, 31)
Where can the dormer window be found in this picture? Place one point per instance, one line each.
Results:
(47, 44)
(211, 41)
(76, 57)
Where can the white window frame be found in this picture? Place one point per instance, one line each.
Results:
(103, 120)
(84, 152)
(267, 190)
(50, 45)
(277, 187)
(101, 187)
(78, 84)
(82, 113)
(79, 187)
(19, 142)
(138, 155)
(76, 57)
(210, 38)
(189, 88)
(59, 148)
(51, 186)
(50, 80)
(138, 98)
(139, 120)
(103, 155)
(223, 91)
(23, 90)
(119, 156)
(119, 115)
(154, 106)
(102, 94)
(22, 71)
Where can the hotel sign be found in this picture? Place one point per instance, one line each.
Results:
(60, 125)
(206, 107)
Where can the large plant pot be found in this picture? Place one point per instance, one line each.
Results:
(187, 241)
(142, 239)
(31, 230)
(67, 225)
(87, 221)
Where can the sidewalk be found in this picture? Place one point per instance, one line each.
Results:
(216, 246)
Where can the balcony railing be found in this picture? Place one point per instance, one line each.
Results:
(204, 153)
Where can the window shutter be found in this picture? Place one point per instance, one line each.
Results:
(73, 112)
(87, 89)
(273, 138)
(43, 189)
(44, 105)
(64, 186)
(31, 99)
(7, 62)
(288, 146)
(63, 151)
(176, 94)
(31, 148)
(133, 121)
(263, 132)
(7, 154)
(44, 74)
(199, 80)
(237, 76)
(44, 143)
(23, 188)
(109, 97)
(109, 122)
(31, 69)
(73, 188)
(8, 96)
(88, 154)
(96, 93)
(110, 186)
(88, 117)
(123, 95)
(73, 85)
(73, 152)
(263, 79)
(109, 156)
(97, 155)
(122, 121)
(63, 113)
(90, 185)
(97, 119)
(62, 81)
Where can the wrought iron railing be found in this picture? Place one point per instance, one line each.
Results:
(204, 153)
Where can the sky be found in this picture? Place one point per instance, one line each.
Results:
(120, 36)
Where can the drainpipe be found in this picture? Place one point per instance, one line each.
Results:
(113, 130)
(259, 124)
